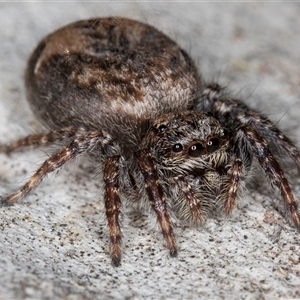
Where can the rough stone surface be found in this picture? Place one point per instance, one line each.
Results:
(54, 242)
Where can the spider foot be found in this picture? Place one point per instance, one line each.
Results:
(296, 216)
(115, 255)
(116, 261)
(4, 201)
(173, 253)
(5, 148)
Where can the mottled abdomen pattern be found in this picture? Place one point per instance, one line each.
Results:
(112, 74)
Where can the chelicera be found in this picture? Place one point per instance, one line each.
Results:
(126, 94)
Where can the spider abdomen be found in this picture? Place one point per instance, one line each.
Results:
(112, 74)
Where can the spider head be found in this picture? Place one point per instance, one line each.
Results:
(188, 142)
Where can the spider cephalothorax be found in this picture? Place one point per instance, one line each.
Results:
(129, 96)
(188, 142)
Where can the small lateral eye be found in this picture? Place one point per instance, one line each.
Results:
(177, 148)
(162, 128)
(196, 150)
(213, 144)
(224, 134)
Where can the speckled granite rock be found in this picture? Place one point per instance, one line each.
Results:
(54, 243)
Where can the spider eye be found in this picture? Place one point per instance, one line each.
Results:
(196, 150)
(213, 144)
(162, 128)
(224, 134)
(177, 148)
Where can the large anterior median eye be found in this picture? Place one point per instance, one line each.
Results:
(196, 150)
(213, 144)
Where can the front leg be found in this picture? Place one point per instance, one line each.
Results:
(239, 169)
(196, 213)
(156, 197)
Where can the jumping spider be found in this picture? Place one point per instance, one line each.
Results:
(130, 97)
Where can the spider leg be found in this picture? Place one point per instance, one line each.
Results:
(240, 167)
(194, 204)
(80, 145)
(42, 139)
(112, 206)
(210, 93)
(272, 169)
(156, 197)
(235, 114)
(271, 133)
(215, 99)
(233, 186)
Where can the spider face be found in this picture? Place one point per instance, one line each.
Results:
(188, 141)
(97, 85)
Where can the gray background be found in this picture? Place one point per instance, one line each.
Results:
(54, 244)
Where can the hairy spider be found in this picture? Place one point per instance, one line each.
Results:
(125, 93)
